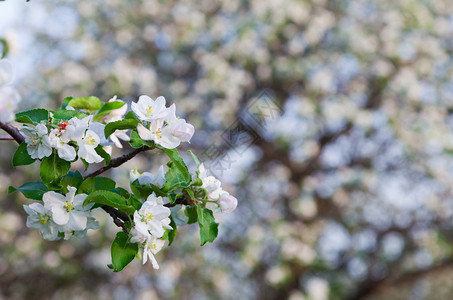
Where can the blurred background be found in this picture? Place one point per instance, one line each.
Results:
(330, 121)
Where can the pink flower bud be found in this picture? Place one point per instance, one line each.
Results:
(227, 202)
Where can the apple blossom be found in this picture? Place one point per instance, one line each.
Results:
(68, 210)
(64, 150)
(38, 143)
(40, 218)
(227, 202)
(152, 217)
(87, 145)
(151, 247)
(147, 109)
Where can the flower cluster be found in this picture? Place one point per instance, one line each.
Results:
(61, 215)
(160, 123)
(220, 198)
(150, 222)
(9, 97)
(84, 132)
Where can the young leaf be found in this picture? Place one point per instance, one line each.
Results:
(144, 190)
(122, 251)
(209, 229)
(111, 199)
(95, 184)
(178, 175)
(65, 115)
(103, 154)
(172, 233)
(106, 108)
(87, 103)
(21, 156)
(34, 115)
(191, 213)
(120, 125)
(130, 115)
(32, 190)
(136, 141)
(52, 169)
(195, 158)
(65, 102)
(71, 179)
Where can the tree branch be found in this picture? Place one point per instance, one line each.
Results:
(13, 132)
(119, 161)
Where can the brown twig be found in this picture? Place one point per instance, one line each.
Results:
(119, 161)
(13, 132)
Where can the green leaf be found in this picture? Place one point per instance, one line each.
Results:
(120, 125)
(191, 213)
(66, 115)
(95, 184)
(172, 233)
(123, 252)
(5, 48)
(209, 229)
(123, 192)
(87, 103)
(178, 175)
(136, 141)
(32, 190)
(195, 158)
(71, 179)
(144, 190)
(34, 115)
(52, 169)
(65, 102)
(103, 154)
(21, 156)
(85, 164)
(111, 199)
(107, 108)
(130, 115)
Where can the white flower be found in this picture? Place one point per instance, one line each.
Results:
(227, 202)
(38, 143)
(151, 247)
(87, 145)
(147, 109)
(65, 151)
(41, 219)
(152, 217)
(98, 128)
(148, 177)
(75, 129)
(68, 211)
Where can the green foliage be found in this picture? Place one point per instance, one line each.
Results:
(111, 199)
(120, 125)
(5, 47)
(95, 184)
(123, 252)
(65, 115)
(144, 190)
(191, 213)
(103, 154)
(137, 142)
(71, 179)
(209, 229)
(21, 156)
(107, 108)
(32, 190)
(52, 169)
(195, 158)
(88, 103)
(33, 116)
(178, 175)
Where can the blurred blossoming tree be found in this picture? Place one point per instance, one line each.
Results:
(344, 195)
